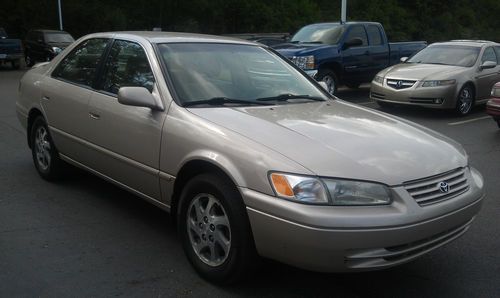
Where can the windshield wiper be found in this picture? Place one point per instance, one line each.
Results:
(220, 101)
(285, 97)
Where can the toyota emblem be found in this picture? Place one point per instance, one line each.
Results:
(443, 187)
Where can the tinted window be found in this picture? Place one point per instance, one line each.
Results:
(80, 66)
(127, 66)
(357, 32)
(489, 55)
(58, 37)
(374, 34)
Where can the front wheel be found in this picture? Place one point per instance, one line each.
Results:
(465, 100)
(45, 155)
(215, 230)
(330, 78)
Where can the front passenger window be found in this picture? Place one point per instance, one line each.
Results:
(80, 66)
(127, 66)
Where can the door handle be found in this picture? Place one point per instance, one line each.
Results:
(94, 116)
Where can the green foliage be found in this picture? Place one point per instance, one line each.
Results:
(404, 20)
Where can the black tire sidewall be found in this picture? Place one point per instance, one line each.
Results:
(241, 250)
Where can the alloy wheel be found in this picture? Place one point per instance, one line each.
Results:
(42, 148)
(330, 83)
(209, 229)
(465, 100)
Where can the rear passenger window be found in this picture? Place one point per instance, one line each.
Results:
(374, 35)
(489, 55)
(127, 66)
(80, 66)
(358, 32)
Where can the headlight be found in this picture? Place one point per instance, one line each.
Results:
(313, 190)
(346, 192)
(304, 62)
(56, 50)
(379, 79)
(438, 83)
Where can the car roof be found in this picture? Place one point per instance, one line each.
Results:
(173, 37)
(467, 42)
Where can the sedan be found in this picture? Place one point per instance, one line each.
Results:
(251, 156)
(453, 75)
(493, 105)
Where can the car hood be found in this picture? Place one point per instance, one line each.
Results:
(339, 139)
(417, 71)
(300, 49)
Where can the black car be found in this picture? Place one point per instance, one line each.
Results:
(11, 50)
(43, 45)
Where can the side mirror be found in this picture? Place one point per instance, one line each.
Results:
(355, 42)
(487, 65)
(137, 97)
(403, 59)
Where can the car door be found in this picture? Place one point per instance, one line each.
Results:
(127, 138)
(379, 50)
(66, 94)
(486, 78)
(356, 58)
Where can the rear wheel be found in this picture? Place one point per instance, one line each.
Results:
(465, 100)
(215, 230)
(330, 78)
(45, 155)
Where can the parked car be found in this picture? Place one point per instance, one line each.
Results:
(447, 75)
(250, 156)
(11, 50)
(44, 45)
(345, 53)
(493, 105)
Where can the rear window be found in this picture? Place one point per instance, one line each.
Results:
(58, 37)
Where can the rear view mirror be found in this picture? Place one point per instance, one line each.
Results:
(137, 97)
(403, 59)
(355, 42)
(487, 64)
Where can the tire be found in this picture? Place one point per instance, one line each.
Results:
(16, 64)
(29, 60)
(330, 78)
(217, 238)
(44, 152)
(353, 85)
(465, 100)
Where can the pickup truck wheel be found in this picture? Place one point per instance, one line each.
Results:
(465, 100)
(215, 230)
(16, 64)
(330, 79)
(45, 155)
(29, 61)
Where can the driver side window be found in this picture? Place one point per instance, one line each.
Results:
(357, 32)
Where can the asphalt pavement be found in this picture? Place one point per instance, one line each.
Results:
(84, 237)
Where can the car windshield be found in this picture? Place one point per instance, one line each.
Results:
(58, 37)
(447, 55)
(234, 74)
(319, 33)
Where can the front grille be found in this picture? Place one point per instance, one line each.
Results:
(428, 191)
(400, 84)
(377, 95)
(393, 255)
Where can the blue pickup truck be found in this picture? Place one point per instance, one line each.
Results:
(11, 50)
(349, 53)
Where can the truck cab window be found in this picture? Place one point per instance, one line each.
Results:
(357, 32)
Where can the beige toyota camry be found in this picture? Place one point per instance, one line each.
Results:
(249, 154)
(453, 75)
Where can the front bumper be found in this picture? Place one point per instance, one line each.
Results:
(337, 239)
(415, 95)
(11, 57)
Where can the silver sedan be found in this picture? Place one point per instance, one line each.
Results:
(249, 154)
(452, 75)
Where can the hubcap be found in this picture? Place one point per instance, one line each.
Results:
(465, 101)
(209, 229)
(42, 148)
(330, 83)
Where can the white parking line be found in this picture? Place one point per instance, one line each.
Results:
(470, 120)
